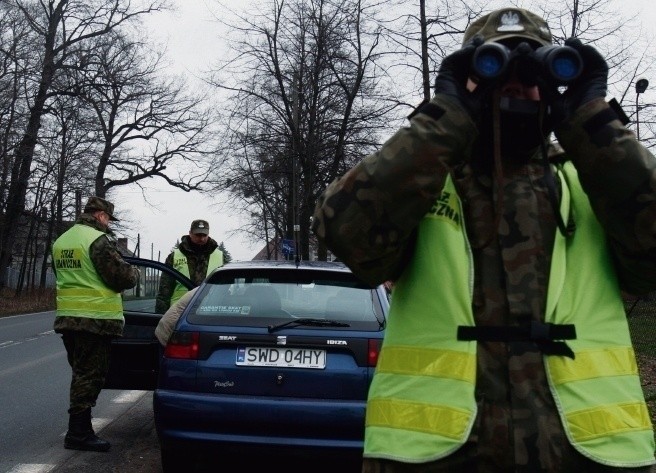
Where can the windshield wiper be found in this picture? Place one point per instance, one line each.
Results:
(307, 321)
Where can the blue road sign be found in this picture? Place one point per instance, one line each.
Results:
(288, 247)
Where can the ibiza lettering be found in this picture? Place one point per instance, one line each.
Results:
(67, 260)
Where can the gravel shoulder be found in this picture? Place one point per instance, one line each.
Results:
(134, 445)
(647, 369)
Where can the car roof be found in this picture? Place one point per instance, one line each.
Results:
(283, 264)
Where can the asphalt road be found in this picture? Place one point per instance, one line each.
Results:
(134, 445)
(34, 386)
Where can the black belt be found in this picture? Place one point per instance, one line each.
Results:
(542, 334)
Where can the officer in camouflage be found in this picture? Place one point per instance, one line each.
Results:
(91, 273)
(196, 256)
(507, 346)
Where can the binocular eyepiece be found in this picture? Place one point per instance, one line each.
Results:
(561, 64)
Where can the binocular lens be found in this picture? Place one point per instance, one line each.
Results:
(561, 64)
(490, 60)
(565, 66)
(489, 65)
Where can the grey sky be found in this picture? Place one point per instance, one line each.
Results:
(193, 42)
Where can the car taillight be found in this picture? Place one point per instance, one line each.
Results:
(374, 349)
(183, 345)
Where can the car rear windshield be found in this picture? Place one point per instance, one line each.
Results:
(263, 298)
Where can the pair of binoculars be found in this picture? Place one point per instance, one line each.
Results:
(561, 64)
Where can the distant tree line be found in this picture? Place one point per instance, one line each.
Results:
(86, 106)
(306, 89)
(315, 85)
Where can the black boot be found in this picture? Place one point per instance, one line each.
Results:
(80, 435)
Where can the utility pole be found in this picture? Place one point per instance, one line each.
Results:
(295, 151)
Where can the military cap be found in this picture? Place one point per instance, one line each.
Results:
(96, 203)
(200, 227)
(509, 23)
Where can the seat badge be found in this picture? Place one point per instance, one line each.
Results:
(281, 340)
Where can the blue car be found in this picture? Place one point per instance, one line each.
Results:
(270, 359)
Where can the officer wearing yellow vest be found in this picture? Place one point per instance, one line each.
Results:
(91, 273)
(195, 256)
(507, 346)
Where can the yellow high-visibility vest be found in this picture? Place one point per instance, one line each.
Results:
(81, 292)
(421, 404)
(180, 263)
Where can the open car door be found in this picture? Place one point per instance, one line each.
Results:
(134, 359)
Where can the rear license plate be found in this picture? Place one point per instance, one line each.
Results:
(281, 357)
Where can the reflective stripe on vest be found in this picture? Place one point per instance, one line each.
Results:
(598, 394)
(180, 264)
(80, 290)
(405, 419)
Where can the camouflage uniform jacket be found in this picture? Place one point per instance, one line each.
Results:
(368, 218)
(114, 271)
(198, 258)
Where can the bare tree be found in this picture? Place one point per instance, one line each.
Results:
(148, 125)
(420, 33)
(303, 106)
(16, 45)
(63, 27)
(621, 39)
(424, 31)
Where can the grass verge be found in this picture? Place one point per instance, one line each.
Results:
(35, 300)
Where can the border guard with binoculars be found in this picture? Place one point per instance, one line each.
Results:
(507, 346)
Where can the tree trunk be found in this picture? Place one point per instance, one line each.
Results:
(25, 149)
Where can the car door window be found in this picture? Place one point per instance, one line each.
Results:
(141, 298)
(134, 358)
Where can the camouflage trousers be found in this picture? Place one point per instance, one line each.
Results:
(88, 355)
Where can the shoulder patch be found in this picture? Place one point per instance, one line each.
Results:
(428, 108)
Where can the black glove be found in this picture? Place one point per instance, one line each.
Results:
(591, 84)
(452, 79)
(593, 81)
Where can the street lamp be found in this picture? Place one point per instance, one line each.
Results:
(640, 86)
